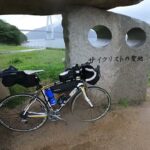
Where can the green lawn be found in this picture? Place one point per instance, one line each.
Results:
(51, 61)
(4, 47)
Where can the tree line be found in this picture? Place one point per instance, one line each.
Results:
(10, 34)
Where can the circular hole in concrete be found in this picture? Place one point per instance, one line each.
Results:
(135, 37)
(99, 36)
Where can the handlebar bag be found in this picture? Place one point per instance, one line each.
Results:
(90, 74)
(66, 76)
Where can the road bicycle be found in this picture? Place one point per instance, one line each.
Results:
(27, 112)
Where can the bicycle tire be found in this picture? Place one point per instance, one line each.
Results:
(12, 107)
(100, 99)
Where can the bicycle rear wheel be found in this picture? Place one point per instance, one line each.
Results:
(101, 103)
(12, 108)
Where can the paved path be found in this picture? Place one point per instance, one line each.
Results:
(20, 51)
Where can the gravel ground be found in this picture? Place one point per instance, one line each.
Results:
(121, 129)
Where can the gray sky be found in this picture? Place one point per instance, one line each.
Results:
(29, 21)
(140, 11)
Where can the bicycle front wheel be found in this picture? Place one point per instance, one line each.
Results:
(12, 109)
(101, 103)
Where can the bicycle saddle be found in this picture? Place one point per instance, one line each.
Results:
(29, 72)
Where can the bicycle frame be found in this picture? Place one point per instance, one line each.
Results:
(88, 103)
(80, 86)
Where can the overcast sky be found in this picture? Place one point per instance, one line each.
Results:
(140, 11)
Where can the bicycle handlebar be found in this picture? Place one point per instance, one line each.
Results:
(76, 70)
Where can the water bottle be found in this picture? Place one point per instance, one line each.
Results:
(50, 96)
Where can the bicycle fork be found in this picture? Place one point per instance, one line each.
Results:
(82, 88)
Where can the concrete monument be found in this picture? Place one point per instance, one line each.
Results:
(121, 49)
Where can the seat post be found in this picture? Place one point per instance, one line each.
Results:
(39, 86)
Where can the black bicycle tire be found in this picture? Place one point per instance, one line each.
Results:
(106, 110)
(27, 95)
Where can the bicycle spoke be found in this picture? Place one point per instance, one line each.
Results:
(12, 117)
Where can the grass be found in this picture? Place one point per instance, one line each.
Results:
(4, 47)
(49, 60)
(124, 102)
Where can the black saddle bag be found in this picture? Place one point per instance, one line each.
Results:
(20, 78)
(27, 80)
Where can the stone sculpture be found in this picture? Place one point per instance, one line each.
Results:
(124, 59)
